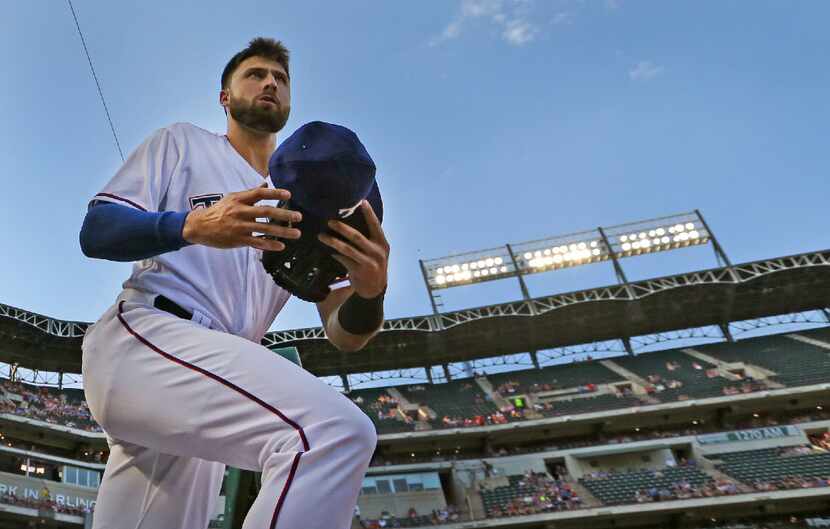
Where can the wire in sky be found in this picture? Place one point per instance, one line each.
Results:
(100, 93)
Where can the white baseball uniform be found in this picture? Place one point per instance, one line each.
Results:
(180, 399)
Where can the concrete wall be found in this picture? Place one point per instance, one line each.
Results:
(398, 504)
(739, 446)
(517, 465)
(648, 459)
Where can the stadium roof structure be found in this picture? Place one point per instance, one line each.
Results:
(717, 296)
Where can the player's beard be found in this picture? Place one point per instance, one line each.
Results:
(257, 116)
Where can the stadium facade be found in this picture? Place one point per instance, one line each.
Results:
(719, 430)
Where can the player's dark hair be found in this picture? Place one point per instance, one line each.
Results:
(259, 47)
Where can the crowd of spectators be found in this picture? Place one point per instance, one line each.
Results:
(655, 384)
(799, 416)
(449, 514)
(555, 408)
(386, 406)
(682, 489)
(511, 388)
(42, 404)
(768, 522)
(821, 440)
(819, 444)
(789, 483)
(52, 406)
(546, 494)
(798, 450)
(638, 434)
(658, 384)
(477, 400)
(497, 417)
(746, 386)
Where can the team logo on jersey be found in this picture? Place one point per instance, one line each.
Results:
(347, 212)
(204, 201)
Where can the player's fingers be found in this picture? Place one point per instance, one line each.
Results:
(356, 238)
(278, 214)
(268, 228)
(375, 230)
(345, 261)
(346, 249)
(248, 194)
(264, 244)
(252, 196)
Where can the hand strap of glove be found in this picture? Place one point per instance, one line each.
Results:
(359, 315)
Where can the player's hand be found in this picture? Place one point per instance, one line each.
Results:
(366, 260)
(231, 222)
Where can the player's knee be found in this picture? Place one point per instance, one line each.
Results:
(366, 432)
(359, 430)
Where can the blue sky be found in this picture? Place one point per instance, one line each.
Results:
(491, 121)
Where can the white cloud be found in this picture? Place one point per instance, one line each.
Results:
(519, 32)
(644, 70)
(452, 31)
(612, 5)
(512, 16)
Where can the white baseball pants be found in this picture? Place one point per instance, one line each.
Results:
(179, 401)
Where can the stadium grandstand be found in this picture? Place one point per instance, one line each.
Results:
(695, 400)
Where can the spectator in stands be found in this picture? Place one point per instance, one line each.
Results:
(41, 404)
(450, 514)
(683, 489)
(508, 388)
(385, 406)
(787, 451)
(545, 494)
(821, 440)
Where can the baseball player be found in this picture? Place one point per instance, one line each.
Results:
(174, 371)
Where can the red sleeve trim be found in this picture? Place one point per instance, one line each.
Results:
(121, 199)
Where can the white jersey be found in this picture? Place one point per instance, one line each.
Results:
(181, 168)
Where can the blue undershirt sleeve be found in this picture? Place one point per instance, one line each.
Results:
(121, 233)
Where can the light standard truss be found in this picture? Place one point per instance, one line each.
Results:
(52, 326)
(555, 356)
(39, 377)
(815, 317)
(740, 273)
(705, 334)
(415, 375)
(548, 357)
(567, 251)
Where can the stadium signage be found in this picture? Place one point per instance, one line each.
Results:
(757, 434)
(31, 493)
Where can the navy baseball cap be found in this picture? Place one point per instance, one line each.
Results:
(328, 172)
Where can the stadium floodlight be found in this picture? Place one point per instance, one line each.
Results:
(564, 251)
(468, 268)
(658, 235)
(567, 251)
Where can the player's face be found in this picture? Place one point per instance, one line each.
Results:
(259, 96)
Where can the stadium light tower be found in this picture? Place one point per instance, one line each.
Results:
(567, 251)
